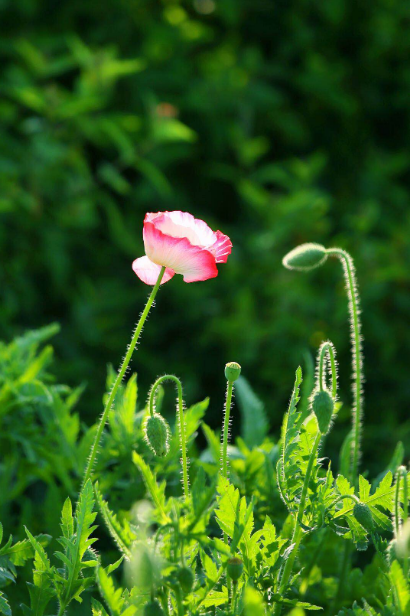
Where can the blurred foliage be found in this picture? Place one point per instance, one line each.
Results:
(277, 122)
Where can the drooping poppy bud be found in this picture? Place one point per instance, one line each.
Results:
(305, 257)
(364, 516)
(186, 579)
(323, 406)
(156, 433)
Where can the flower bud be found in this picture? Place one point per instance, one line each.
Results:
(156, 434)
(234, 568)
(153, 608)
(232, 371)
(305, 257)
(322, 406)
(186, 579)
(364, 516)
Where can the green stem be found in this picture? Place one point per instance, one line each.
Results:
(225, 438)
(224, 449)
(349, 273)
(181, 423)
(354, 313)
(233, 600)
(402, 473)
(327, 350)
(118, 380)
(298, 531)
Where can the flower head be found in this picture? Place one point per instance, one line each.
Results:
(184, 245)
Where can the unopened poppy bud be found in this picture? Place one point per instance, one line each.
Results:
(364, 516)
(234, 568)
(186, 579)
(156, 434)
(232, 371)
(323, 406)
(153, 608)
(305, 257)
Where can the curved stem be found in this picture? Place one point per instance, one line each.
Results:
(327, 350)
(298, 532)
(181, 423)
(354, 312)
(120, 376)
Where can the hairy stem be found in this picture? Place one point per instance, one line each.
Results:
(225, 439)
(118, 380)
(327, 352)
(298, 531)
(181, 423)
(225, 436)
(357, 360)
(398, 522)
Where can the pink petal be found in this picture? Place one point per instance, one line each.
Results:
(148, 272)
(182, 224)
(193, 262)
(222, 247)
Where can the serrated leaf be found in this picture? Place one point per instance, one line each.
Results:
(4, 605)
(111, 595)
(157, 492)
(122, 535)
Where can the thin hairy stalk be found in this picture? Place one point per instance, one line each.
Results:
(399, 520)
(118, 380)
(327, 353)
(357, 369)
(181, 423)
(357, 359)
(298, 531)
(225, 436)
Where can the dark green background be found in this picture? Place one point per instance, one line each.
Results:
(278, 122)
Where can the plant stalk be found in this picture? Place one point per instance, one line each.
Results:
(298, 532)
(181, 423)
(118, 380)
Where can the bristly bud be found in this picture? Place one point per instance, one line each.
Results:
(234, 569)
(156, 432)
(232, 371)
(305, 257)
(364, 516)
(186, 579)
(153, 608)
(323, 406)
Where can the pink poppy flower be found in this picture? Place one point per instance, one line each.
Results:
(184, 244)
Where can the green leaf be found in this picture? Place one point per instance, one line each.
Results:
(157, 492)
(67, 520)
(4, 605)
(401, 586)
(79, 543)
(253, 602)
(122, 535)
(254, 425)
(111, 595)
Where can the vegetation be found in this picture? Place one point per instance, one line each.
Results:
(279, 532)
(280, 123)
